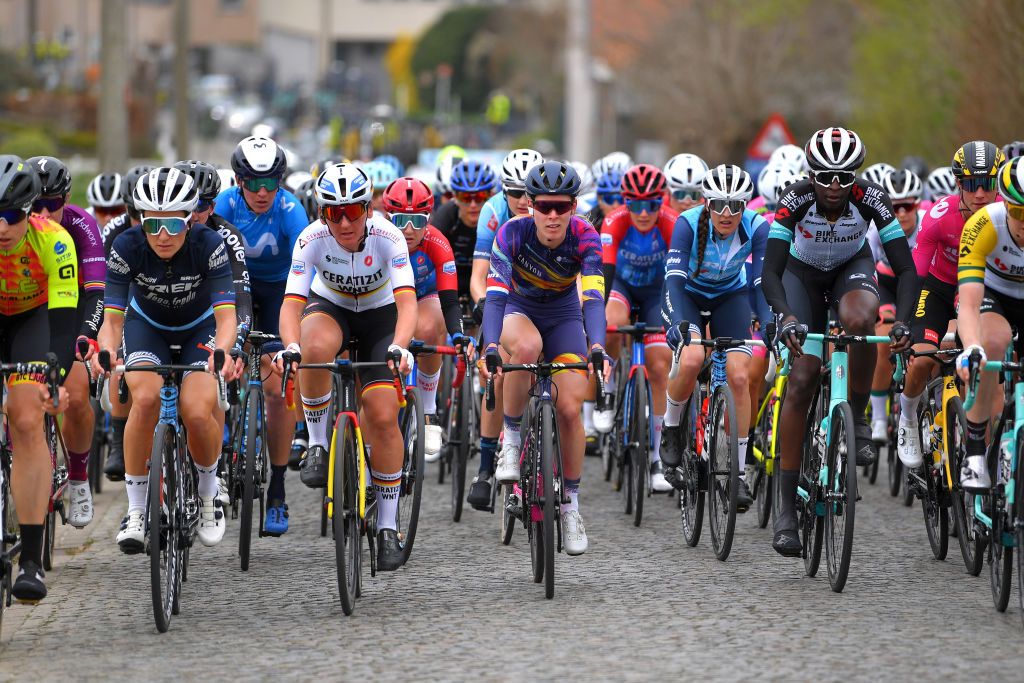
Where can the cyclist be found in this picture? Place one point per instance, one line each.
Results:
(684, 173)
(817, 256)
(705, 271)
(771, 182)
(472, 183)
(587, 200)
(381, 175)
(408, 203)
(79, 420)
(905, 190)
(875, 173)
(37, 312)
(270, 219)
(104, 197)
(512, 202)
(609, 197)
(169, 283)
(936, 258)
(533, 308)
(991, 290)
(446, 163)
(350, 279)
(635, 240)
(941, 183)
(789, 155)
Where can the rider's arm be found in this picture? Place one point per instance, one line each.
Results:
(927, 242)
(478, 279)
(977, 240)
(115, 298)
(592, 282)
(239, 270)
(403, 284)
(439, 251)
(300, 277)
(759, 244)
(93, 270)
(499, 283)
(222, 292)
(677, 267)
(62, 283)
(611, 235)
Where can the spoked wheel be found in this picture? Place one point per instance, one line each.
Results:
(764, 483)
(840, 496)
(508, 522)
(547, 468)
(691, 495)
(1019, 535)
(534, 516)
(252, 425)
(1000, 556)
(936, 515)
(345, 510)
(163, 532)
(895, 473)
(465, 430)
(49, 538)
(607, 456)
(972, 544)
(811, 525)
(639, 439)
(723, 474)
(627, 450)
(413, 425)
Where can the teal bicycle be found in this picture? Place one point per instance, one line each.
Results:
(827, 492)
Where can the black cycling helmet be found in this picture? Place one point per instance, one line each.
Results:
(915, 165)
(553, 177)
(19, 184)
(205, 177)
(128, 183)
(258, 157)
(307, 198)
(54, 176)
(977, 158)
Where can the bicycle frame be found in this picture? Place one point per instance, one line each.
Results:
(1009, 369)
(777, 390)
(637, 363)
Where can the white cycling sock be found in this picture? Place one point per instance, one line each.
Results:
(207, 480)
(315, 410)
(428, 389)
(658, 421)
(386, 486)
(588, 416)
(908, 407)
(673, 411)
(877, 407)
(136, 486)
(741, 454)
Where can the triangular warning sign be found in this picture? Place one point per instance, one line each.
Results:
(774, 133)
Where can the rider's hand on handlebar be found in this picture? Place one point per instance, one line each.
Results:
(791, 333)
(900, 335)
(278, 362)
(465, 343)
(963, 361)
(62, 402)
(490, 364)
(606, 370)
(674, 336)
(90, 345)
(405, 356)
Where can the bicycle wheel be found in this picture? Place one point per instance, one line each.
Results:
(1019, 535)
(98, 449)
(972, 544)
(895, 473)
(162, 526)
(547, 462)
(723, 471)
(253, 413)
(1000, 556)
(764, 484)
(464, 437)
(58, 490)
(408, 515)
(840, 496)
(811, 526)
(691, 493)
(607, 456)
(8, 531)
(936, 516)
(639, 439)
(627, 449)
(345, 510)
(508, 522)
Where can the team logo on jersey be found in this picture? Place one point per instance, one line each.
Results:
(606, 239)
(298, 267)
(1000, 265)
(805, 233)
(399, 261)
(59, 248)
(448, 268)
(857, 192)
(492, 223)
(781, 212)
(368, 260)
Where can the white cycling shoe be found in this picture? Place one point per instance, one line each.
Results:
(908, 444)
(604, 420)
(211, 521)
(132, 536)
(880, 431)
(508, 464)
(974, 475)
(432, 442)
(574, 534)
(80, 510)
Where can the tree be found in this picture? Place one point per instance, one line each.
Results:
(447, 41)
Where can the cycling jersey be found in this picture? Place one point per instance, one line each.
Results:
(636, 258)
(92, 266)
(494, 215)
(757, 205)
(881, 260)
(355, 281)
(989, 254)
(434, 268)
(522, 266)
(174, 294)
(722, 268)
(269, 237)
(114, 227)
(937, 251)
(460, 236)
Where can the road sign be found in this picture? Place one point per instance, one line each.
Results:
(774, 133)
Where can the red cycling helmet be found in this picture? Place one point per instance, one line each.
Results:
(643, 181)
(408, 195)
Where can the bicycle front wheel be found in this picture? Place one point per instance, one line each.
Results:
(464, 438)
(936, 515)
(548, 494)
(345, 510)
(811, 525)
(164, 516)
(764, 483)
(972, 544)
(639, 439)
(723, 472)
(691, 492)
(840, 495)
(1019, 536)
(252, 424)
(408, 515)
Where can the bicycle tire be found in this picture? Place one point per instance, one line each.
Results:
(639, 438)
(972, 544)
(691, 495)
(252, 423)
(936, 516)
(1019, 536)
(811, 526)
(8, 532)
(408, 514)
(547, 461)
(1000, 560)
(508, 522)
(98, 449)
(764, 483)
(626, 459)
(345, 514)
(840, 510)
(723, 471)
(465, 435)
(162, 526)
(607, 456)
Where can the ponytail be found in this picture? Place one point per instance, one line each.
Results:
(703, 232)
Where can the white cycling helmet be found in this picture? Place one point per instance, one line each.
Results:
(772, 180)
(516, 167)
(620, 162)
(296, 178)
(105, 191)
(834, 149)
(166, 189)
(587, 183)
(444, 173)
(342, 184)
(876, 173)
(790, 155)
(227, 178)
(259, 158)
(685, 172)
(941, 182)
(902, 185)
(727, 182)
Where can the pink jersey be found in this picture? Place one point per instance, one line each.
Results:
(938, 244)
(756, 204)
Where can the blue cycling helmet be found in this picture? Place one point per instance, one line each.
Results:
(610, 182)
(392, 161)
(553, 177)
(473, 176)
(381, 175)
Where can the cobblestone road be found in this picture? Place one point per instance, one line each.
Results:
(639, 605)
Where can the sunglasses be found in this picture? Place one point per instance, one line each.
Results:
(515, 194)
(682, 195)
(12, 216)
(642, 205)
(987, 183)
(335, 212)
(904, 206)
(51, 204)
(472, 197)
(1015, 211)
(174, 225)
(731, 206)
(418, 221)
(826, 178)
(610, 198)
(257, 184)
(559, 206)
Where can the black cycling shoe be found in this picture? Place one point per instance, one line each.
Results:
(313, 470)
(865, 445)
(479, 497)
(744, 499)
(300, 442)
(787, 543)
(389, 551)
(593, 444)
(114, 468)
(671, 447)
(29, 586)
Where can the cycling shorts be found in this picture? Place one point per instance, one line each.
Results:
(936, 306)
(1011, 310)
(144, 343)
(887, 286)
(21, 338)
(559, 322)
(727, 314)
(811, 293)
(267, 298)
(648, 303)
(372, 330)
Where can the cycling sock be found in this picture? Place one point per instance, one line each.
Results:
(31, 544)
(207, 480)
(572, 489)
(657, 423)
(117, 433)
(385, 488)
(976, 437)
(275, 490)
(786, 519)
(908, 407)
(749, 458)
(878, 405)
(859, 403)
(488, 447)
(78, 466)
(428, 389)
(741, 454)
(315, 410)
(512, 435)
(673, 411)
(588, 417)
(135, 486)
